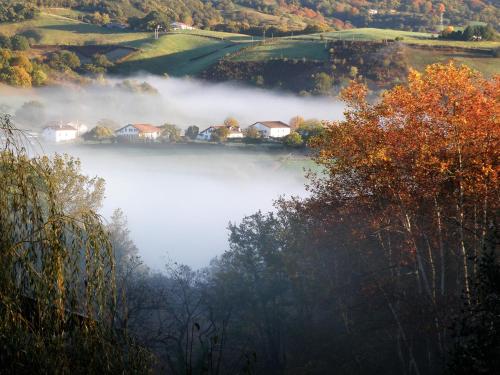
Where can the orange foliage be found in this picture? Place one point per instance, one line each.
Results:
(422, 163)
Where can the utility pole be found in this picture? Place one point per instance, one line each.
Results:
(157, 31)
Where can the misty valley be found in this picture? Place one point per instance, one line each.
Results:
(179, 198)
(249, 187)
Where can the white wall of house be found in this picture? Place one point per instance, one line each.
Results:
(152, 135)
(181, 26)
(206, 134)
(131, 132)
(127, 131)
(80, 128)
(59, 135)
(271, 132)
(279, 132)
(264, 130)
(235, 135)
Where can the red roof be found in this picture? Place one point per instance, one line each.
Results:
(143, 128)
(146, 128)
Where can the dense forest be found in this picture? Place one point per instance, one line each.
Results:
(389, 266)
(243, 15)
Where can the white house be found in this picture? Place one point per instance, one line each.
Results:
(206, 135)
(272, 129)
(372, 11)
(181, 26)
(59, 133)
(80, 128)
(139, 131)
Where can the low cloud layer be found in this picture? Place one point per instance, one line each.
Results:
(180, 200)
(182, 102)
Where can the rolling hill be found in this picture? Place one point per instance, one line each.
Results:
(190, 52)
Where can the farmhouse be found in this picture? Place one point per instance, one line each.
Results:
(133, 132)
(59, 133)
(180, 26)
(206, 135)
(80, 128)
(272, 129)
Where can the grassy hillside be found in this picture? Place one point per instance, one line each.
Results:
(56, 29)
(312, 47)
(190, 52)
(293, 22)
(407, 37)
(419, 59)
(284, 48)
(181, 53)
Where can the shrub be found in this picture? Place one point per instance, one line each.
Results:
(293, 140)
(20, 43)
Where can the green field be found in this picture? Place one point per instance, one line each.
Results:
(60, 30)
(408, 37)
(191, 51)
(284, 48)
(419, 59)
(312, 47)
(179, 54)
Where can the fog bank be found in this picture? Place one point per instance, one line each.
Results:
(179, 101)
(179, 201)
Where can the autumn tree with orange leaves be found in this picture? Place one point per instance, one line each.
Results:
(420, 166)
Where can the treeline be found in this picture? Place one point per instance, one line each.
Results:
(471, 32)
(18, 70)
(405, 14)
(287, 74)
(140, 13)
(17, 11)
(417, 15)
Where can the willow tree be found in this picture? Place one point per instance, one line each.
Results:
(57, 290)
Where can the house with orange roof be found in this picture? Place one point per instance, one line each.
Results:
(133, 132)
